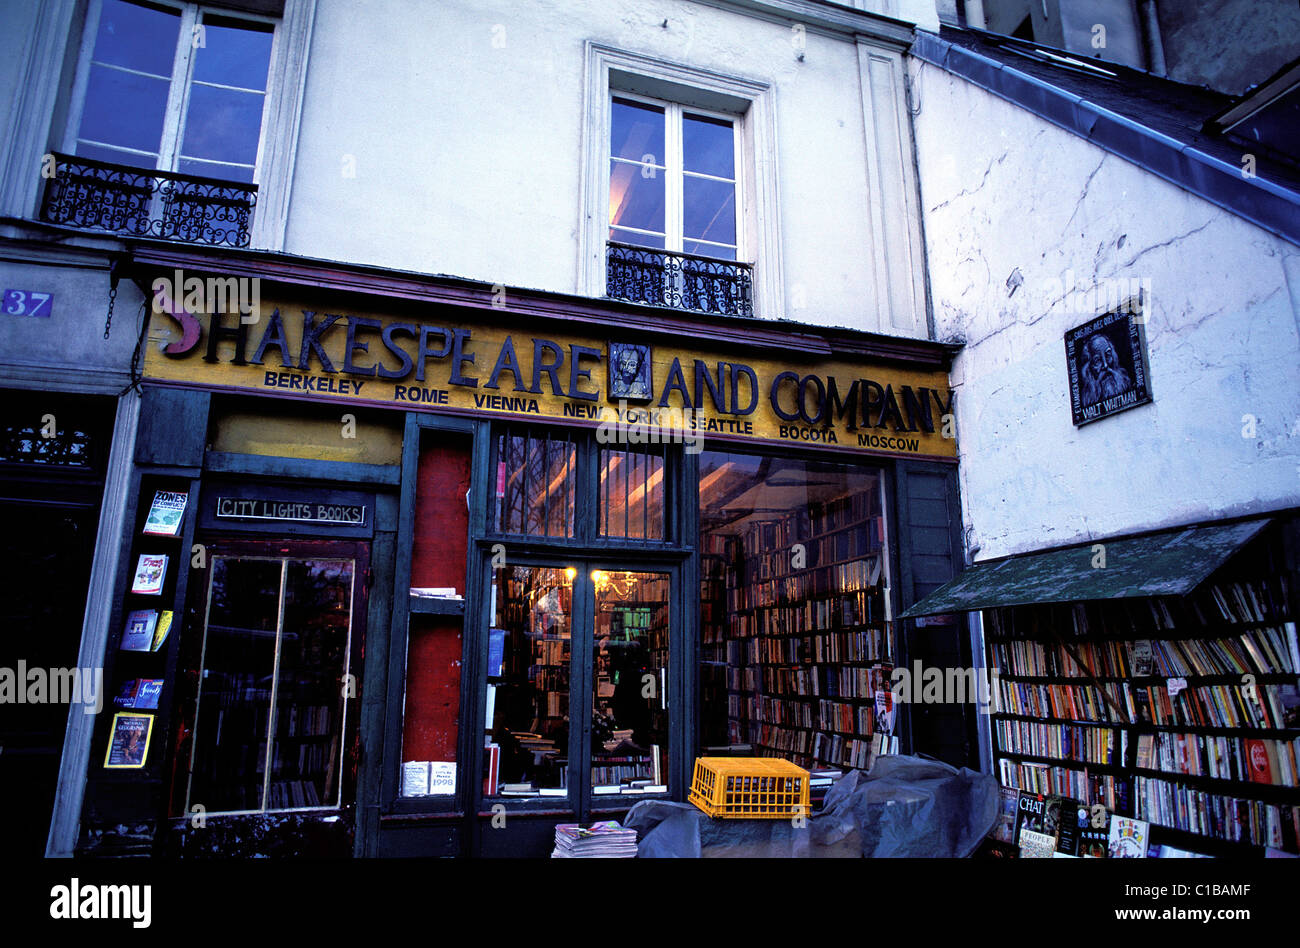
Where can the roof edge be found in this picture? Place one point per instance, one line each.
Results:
(1263, 203)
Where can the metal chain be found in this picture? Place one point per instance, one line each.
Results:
(112, 298)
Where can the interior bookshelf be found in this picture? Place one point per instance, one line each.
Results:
(795, 636)
(1180, 711)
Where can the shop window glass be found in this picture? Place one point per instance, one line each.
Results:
(529, 656)
(632, 494)
(796, 643)
(535, 481)
(175, 87)
(268, 731)
(630, 683)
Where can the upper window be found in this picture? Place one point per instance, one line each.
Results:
(672, 178)
(175, 87)
(679, 194)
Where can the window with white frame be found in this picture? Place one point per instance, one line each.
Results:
(672, 178)
(680, 187)
(172, 86)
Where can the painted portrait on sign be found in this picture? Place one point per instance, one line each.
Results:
(629, 372)
(1107, 366)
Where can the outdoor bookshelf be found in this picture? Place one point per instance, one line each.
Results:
(1178, 711)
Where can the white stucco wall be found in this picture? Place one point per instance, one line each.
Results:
(1223, 331)
(447, 137)
(464, 131)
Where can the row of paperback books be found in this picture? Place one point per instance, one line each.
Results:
(753, 593)
(1227, 706)
(789, 559)
(1115, 793)
(1213, 814)
(611, 771)
(1243, 759)
(819, 681)
(842, 716)
(862, 645)
(1095, 745)
(308, 721)
(863, 607)
(850, 509)
(1242, 706)
(1062, 702)
(1261, 651)
(287, 794)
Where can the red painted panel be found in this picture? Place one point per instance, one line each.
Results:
(441, 516)
(432, 688)
(433, 657)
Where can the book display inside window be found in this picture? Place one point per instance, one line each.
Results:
(796, 637)
(1181, 712)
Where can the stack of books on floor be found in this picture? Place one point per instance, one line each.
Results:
(604, 840)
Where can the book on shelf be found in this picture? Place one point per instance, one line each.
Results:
(1004, 829)
(1094, 834)
(1031, 810)
(163, 626)
(1146, 745)
(442, 777)
(150, 572)
(1127, 839)
(138, 634)
(166, 513)
(128, 743)
(1072, 817)
(139, 693)
(1034, 844)
(435, 592)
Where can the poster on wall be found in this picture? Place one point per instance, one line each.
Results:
(1107, 364)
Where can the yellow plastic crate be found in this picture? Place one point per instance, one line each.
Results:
(749, 788)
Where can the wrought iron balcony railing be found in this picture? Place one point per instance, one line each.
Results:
(679, 280)
(139, 202)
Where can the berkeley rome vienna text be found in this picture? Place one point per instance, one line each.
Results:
(402, 350)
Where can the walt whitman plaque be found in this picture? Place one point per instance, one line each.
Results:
(1108, 366)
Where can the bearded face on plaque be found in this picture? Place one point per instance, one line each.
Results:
(1100, 373)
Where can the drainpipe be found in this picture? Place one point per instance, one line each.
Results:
(1155, 47)
(975, 15)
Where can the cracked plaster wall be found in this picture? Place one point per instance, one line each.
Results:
(1017, 214)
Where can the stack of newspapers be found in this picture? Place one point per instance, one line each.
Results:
(606, 840)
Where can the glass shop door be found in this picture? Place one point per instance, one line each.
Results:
(579, 681)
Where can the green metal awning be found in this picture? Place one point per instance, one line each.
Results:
(1171, 563)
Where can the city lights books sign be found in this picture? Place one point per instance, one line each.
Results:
(641, 390)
